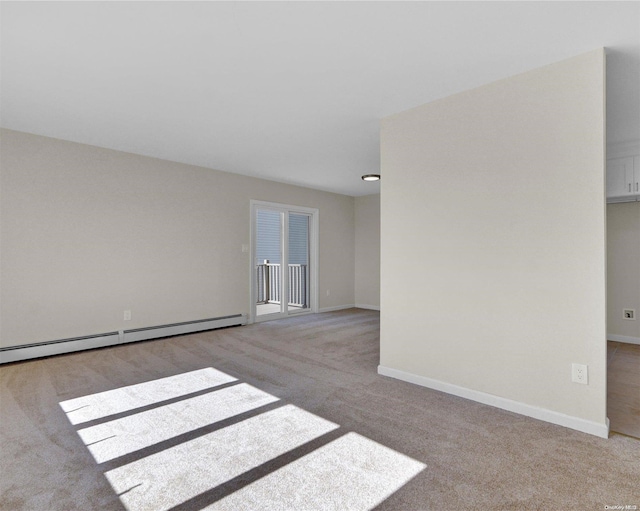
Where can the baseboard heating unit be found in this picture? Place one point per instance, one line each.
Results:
(46, 349)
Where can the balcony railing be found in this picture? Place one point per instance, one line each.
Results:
(269, 288)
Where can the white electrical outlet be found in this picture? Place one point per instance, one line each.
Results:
(579, 373)
(127, 315)
(629, 314)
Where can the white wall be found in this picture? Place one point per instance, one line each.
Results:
(367, 250)
(623, 270)
(86, 233)
(493, 243)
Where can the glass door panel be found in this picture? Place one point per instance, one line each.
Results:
(268, 261)
(298, 262)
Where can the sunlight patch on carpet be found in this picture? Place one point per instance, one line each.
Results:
(124, 399)
(192, 453)
(352, 472)
(122, 436)
(170, 477)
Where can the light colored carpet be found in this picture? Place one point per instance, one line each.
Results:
(284, 415)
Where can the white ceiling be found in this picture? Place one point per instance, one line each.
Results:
(289, 91)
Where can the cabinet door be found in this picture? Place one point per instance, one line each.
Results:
(635, 185)
(620, 179)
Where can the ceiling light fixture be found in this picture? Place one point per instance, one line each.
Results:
(371, 177)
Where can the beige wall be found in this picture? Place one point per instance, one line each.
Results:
(623, 269)
(87, 233)
(493, 242)
(367, 250)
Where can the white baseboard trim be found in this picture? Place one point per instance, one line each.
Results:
(585, 426)
(47, 349)
(369, 307)
(623, 338)
(337, 308)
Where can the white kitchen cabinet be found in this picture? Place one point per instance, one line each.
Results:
(623, 179)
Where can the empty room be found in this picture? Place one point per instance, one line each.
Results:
(331, 255)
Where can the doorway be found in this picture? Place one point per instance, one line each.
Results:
(283, 260)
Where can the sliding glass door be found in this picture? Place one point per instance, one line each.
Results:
(283, 263)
